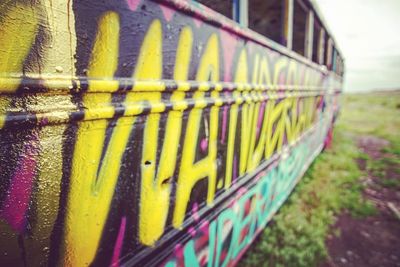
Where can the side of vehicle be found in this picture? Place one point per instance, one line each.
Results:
(153, 132)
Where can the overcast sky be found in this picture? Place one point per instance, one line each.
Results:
(368, 34)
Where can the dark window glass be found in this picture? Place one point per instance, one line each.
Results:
(316, 39)
(221, 6)
(299, 27)
(266, 17)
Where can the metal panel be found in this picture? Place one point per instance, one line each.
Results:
(147, 133)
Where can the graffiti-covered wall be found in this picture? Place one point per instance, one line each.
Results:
(147, 132)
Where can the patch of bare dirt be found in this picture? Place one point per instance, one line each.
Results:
(375, 240)
(372, 145)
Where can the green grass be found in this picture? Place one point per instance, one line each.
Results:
(296, 235)
(373, 114)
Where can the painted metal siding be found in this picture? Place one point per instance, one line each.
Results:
(147, 132)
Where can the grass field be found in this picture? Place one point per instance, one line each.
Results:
(334, 185)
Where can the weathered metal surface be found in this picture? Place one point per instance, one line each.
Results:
(147, 133)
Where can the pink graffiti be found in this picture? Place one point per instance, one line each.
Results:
(195, 211)
(17, 202)
(228, 44)
(192, 231)
(178, 251)
(119, 243)
(224, 123)
(168, 12)
(204, 227)
(133, 4)
(204, 144)
(328, 139)
(241, 192)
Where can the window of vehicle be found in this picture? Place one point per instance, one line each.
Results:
(224, 7)
(317, 40)
(300, 13)
(266, 18)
